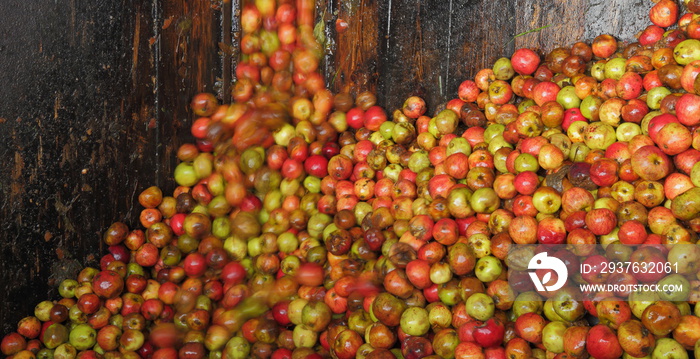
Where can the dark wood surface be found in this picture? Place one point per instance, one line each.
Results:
(94, 98)
(403, 47)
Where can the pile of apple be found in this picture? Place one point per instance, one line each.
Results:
(308, 224)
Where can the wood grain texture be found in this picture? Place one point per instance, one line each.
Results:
(417, 48)
(74, 119)
(96, 105)
(578, 20)
(190, 62)
(429, 48)
(357, 50)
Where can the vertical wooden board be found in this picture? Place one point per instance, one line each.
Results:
(434, 26)
(73, 136)
(563, 21)
(479, 36)
(578, 20)
(431, 48)
(229, 46)
(424, 49)
(402, 52)
(620, 18)
(189, 62)
(357, 49)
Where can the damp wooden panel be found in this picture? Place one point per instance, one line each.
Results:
(427, 48)
(94, 104)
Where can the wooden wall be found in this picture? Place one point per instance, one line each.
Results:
(94, 98)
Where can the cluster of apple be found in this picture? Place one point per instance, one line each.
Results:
(308, 224)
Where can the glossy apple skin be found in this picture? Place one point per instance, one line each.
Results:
(685, 161)
(688, 109)
(551, 231)
(490, 334)
(661, 318)
(525, 61)
(604, 172)
(529, 326)
(602, 343)
(674, 138)
(635, 339)
(677, 183)
(632, 232)
(656, 123)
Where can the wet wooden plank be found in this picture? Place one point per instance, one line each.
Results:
(451, 43)
(430, 48)
(569, 21)
(357, 49)
(190, 62)
(75, 138)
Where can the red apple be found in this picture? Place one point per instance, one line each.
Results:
(529, 326)
(602, 343)
(648, 257)
(675, 184)
(525, 61)
(651, 163)
(632, 232)
(656, 123)
(674, 138)
(551, 230)
(577, 199)
(688, 109)
(664, 13)
(685, 161)
(526, 182)
(687, 333)
(490, 334)
(604, 172)
(467, 350)
(601, 221)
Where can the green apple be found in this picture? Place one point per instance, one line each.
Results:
(546, 200)
(668, 288)
(667, 348)
(83, 337)
(527, 302)
(488, 268)
(526, 162)
(414, 321)
(695, 174)
(480, 306)
(627, 130)
(687, 51)
(566, 305)
(550, 313)
(599, 135)
(484, 200)
(553, 336)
